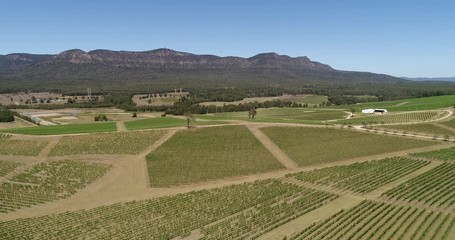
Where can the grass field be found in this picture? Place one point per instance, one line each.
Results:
(21, 147)
(106, 143)
(309, 146)
(413, 104)
(162, 122)
(65, 129)
(362, 177)
(421, 128)
(207, 154)
(374, 220)
(394, 118)
(447, 154)
(46, 182)
(222, 213)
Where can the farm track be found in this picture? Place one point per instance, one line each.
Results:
(120, 126)
(273, 148)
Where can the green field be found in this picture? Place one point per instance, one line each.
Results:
(106, 143)
(239, 211)
(163, 122)
(407, 117)
(447, 154)
(362, 177)
(46, 182)
(206, 154)
(422, 128)
(65, 129)
(21, 147)
(374, 220)
(309, 146)
(413, 104)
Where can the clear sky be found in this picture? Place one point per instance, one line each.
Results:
(412, 38)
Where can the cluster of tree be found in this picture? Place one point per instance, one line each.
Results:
(101, 118)
(6, 115)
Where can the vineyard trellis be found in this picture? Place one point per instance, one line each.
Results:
(362, 177)
(433, 188)
(46, 182)
(375, 220)
(394, 118)
(236, 211)
(7, 167)
(447, 154)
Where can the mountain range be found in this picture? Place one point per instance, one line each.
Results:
(106, 70)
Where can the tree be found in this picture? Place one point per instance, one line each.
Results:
(252, 113)
(134, 115)
(189, 117)
(6, 115)
(100, 118)
(352, 112)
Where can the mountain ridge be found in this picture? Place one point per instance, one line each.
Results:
(105, 70)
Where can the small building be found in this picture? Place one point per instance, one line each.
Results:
(371, 111)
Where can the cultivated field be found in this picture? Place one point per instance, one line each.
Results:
(106, 143)
(447, 154)
(376, 220)
(65, 129)
(362, 177)
(207, 154)
(7, 167)
(46, 182)
(221, 213)
(408, 117)
(21, 147)
(413, 104)
(267, 178)
(420, 128)
(160, 122)
(309, 146)
(433, 188)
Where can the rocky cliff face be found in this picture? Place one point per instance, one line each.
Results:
(170, 59)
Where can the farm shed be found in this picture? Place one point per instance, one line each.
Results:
(370, 110)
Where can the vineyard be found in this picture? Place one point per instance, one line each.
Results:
(207, 154)
(106, 143)
(300, 114)
(374, 220)
(4, 136)
(309, 146)
(362, 177)
(223, 213)
(46, 182)
(421, 128)
(393, 118)
(447, 154)
(7, 167)
(450, 123)
(433, 188)
(21, 147)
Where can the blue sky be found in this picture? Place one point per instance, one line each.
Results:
(401, 37)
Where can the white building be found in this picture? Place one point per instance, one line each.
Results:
(377, 110)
